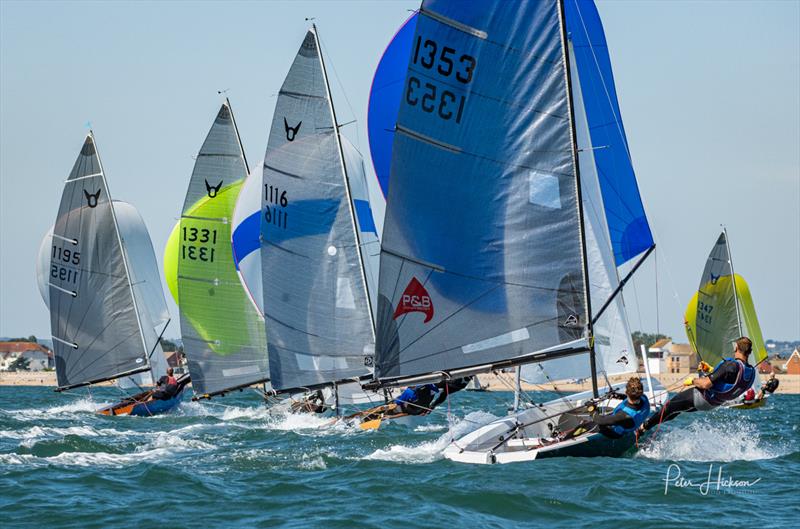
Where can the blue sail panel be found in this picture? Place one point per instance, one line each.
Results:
(384, 100)
(627, 222)
(482, 218)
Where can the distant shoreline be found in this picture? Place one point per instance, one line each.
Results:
(789, 384)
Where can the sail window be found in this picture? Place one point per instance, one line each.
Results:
(320, 363)
(345, 299)
(497, 341)
(544, 190)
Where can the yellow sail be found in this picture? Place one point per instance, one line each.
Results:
(711, 320)
(212, 306)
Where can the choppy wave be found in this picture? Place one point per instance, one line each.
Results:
(712, 438)
(430, 451)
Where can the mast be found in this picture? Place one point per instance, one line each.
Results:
(124, 255)
(733, 281)
(346, 179)
(581, 223)
(517, 387)
(238, 138)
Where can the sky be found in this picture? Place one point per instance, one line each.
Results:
(709, 94)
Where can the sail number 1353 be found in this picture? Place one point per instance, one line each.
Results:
(447, 62)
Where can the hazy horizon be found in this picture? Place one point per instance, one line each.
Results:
(709, 94)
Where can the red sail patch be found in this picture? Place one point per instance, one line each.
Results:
(415, 299)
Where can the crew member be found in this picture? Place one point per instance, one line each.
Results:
(416, 400)
(731, 378)
(166, 387)
(629, 414)
(448, 387)
(769, 387)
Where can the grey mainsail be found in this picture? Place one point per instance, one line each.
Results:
(145, 280)
(481, 257)
(223, 335)
(316, 306)
(96, 331)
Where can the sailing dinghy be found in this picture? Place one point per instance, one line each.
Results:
(520, 268)
(223, 334)
(721, 311)
(106, 303)
(319, 244)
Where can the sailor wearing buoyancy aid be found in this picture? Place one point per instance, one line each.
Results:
(728, 380)
(628, 415)
(416, 400)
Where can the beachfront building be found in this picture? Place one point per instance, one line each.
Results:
(665, 356)
(792, 366)
(39, 357)
(681, 358)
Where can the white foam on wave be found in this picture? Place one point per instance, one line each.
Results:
(312, 462)
(298, 421)
(714, 438)
(164, 446)
(79, 406)
(430, 451)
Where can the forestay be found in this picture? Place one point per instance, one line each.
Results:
(627, 223)
(316, 307)
(95, 327)
(223, 336)
(481, 259)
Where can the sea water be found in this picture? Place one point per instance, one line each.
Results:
(232, 462)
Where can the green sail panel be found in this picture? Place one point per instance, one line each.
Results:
(697, 325)
(223, 335)
(713, 319)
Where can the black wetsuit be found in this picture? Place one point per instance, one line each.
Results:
(727, 373)
(164, 390)
(771, 385)
(449, 387)
(607, 422)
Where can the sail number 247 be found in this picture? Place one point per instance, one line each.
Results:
(448, 63)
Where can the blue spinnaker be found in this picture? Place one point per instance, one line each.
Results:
(627, 222)
(384, 99)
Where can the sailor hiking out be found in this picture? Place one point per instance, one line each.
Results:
(728, 380)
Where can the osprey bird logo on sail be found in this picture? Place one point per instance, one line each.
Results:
(415, 299)
(714, 279)
(291, 132)
(212, 190)
(91, 200)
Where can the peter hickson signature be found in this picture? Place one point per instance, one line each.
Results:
(675, 479)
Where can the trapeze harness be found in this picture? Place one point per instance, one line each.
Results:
(638, 416)
(721, 391)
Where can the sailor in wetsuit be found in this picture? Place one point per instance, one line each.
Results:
(624, 419)
(769, 387)
(731, 378)
(166, 387)
(449, 387)
(415, 400)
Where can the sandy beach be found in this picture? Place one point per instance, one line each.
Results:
(493, 382)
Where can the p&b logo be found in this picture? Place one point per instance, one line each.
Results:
(415, 299)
